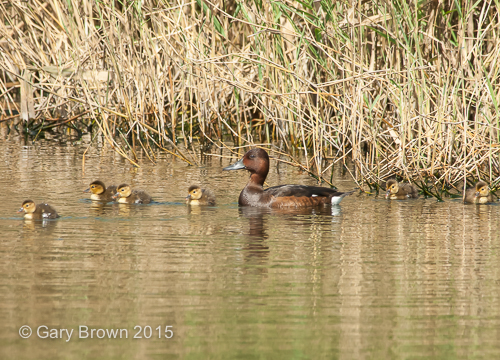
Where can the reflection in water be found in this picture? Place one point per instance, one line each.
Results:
(34, 229)
(255, 250)
(369, 279)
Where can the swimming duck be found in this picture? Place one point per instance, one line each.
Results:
(37, 212)
(257, 162)
(100, 192)
(397, 191)
(199, 196)
(125, 195)
(479, 194)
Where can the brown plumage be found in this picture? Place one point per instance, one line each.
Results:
(100, 192)
(37, 212)
(479, 194)
(397, 191)
(125, 195)
(283, 196)
(199, 196)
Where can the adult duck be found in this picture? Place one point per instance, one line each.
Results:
(283, 196)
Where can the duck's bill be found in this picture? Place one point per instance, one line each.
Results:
(87, 190)
(20, 210)
(115, 196)
(236, 166)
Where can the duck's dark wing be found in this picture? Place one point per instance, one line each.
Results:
(47, 211)
(208, 196)
(143, 197)
(410, 190)
(470, 195)
(301, 190)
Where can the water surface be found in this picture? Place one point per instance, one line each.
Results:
(372, 279)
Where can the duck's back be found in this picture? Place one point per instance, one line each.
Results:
(141, 197)
(302, 195)
(106, 195)
(208, 198)
(110, 191)
(408, 190)
(45, 211)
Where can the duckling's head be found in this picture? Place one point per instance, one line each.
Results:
(195, 193)
(392, 187)
(28, 207)
(482, 189)
(122, 191)
(97, 187)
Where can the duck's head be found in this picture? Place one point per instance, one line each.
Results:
(122, 191)
(97, 187)
(392, 187)
(482, 189)
(256, 161)
(195, 193)
(28, 207)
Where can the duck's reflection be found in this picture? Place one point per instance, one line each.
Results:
(34, 229)
(256, 246)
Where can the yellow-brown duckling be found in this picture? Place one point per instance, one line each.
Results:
(37, 212)
(125, 195)
(100, 192)
(479, 194)
(397, 191)
(199, 196)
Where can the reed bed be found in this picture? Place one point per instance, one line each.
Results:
(398, 88)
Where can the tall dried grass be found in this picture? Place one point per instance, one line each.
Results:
(400, 88)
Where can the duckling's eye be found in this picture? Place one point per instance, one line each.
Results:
(93, 186)
(252, 156)
(122, 189)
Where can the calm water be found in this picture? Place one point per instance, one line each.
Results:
(372, 279)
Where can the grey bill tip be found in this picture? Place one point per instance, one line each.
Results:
(236, 166)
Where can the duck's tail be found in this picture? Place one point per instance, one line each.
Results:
(335, 200)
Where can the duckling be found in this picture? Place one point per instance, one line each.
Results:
(37, 212)
(199, 196)
(479, 194)
(397, 191)
(100, 192)
(125, 195)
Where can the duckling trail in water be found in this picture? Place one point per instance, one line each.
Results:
(397, 191)
(479, 194)
(256, 161)
(37, 212)
(125, 195)
(100, 192)
(199, 196)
